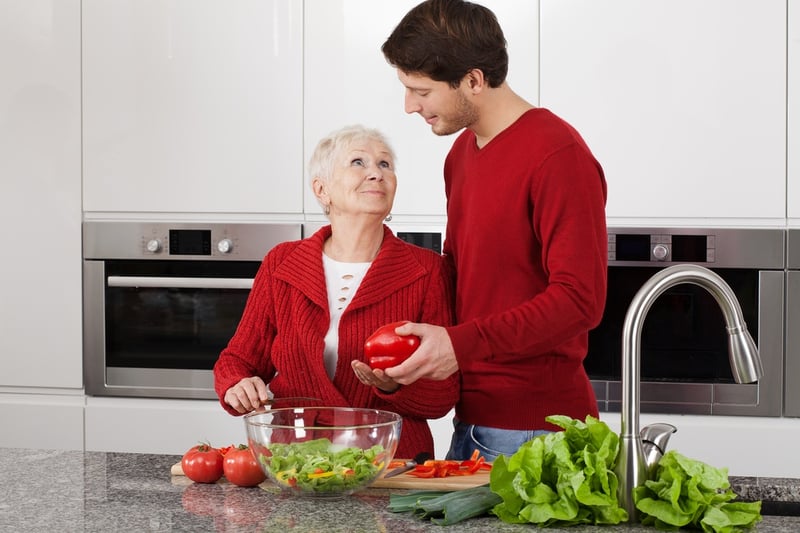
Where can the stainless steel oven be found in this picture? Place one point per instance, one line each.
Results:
(792, 381)
(161, 300)
(684, 364)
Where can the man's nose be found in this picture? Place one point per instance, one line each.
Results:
(411, 105)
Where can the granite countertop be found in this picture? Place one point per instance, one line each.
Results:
(49, 490)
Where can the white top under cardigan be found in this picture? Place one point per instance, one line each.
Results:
(342, 281)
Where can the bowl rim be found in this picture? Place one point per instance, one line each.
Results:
(392, 418)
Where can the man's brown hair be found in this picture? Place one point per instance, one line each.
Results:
(445, 39)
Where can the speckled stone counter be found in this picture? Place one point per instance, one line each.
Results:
(45, 491)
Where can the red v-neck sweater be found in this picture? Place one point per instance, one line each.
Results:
(526, 236)
(281, 334)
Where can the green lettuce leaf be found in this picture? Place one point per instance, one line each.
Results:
(563, 478)
(689, 493)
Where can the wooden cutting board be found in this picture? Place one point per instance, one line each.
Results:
(407, 481)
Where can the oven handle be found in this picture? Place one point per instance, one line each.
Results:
(180, 283)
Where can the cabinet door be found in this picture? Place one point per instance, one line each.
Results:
(348, 81)
(793, 115)
(683, 102)
(40, 193)
(192, 105)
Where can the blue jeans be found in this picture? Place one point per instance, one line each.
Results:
(490, 442)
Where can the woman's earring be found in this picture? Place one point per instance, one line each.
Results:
(388, 218)
(327, 209)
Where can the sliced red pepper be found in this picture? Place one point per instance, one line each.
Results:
(476, 465)
(225, 449)
(423, 471)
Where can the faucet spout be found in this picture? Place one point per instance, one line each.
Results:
(632, 468)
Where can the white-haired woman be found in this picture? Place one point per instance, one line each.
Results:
(315, 301)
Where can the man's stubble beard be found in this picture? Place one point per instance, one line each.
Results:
(464, 115)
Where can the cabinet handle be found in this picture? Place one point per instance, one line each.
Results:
(180, 283)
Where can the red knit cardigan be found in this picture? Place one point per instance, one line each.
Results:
(282, 330)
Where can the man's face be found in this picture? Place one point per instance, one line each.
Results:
(447, 110)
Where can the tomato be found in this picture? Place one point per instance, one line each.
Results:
(385, 348)
(241, 467)
(202, 464)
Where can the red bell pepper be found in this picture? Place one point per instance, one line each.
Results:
(385, 348)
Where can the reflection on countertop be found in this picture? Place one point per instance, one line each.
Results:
(49, 490)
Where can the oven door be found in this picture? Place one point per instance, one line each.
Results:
(155, 328)
(684, 364)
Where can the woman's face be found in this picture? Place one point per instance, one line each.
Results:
(362, 181)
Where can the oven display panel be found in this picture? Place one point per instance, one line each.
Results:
(189, 242)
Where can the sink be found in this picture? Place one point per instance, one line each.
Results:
(775, 508)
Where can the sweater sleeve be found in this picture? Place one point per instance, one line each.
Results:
(427, 398)
(248, 352)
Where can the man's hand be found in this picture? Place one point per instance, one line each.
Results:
(434, 359)
(248, 394)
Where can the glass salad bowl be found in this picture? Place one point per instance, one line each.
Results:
(323, 451)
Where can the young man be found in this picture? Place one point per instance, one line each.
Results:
(526, 235)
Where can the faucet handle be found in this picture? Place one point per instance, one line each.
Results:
(654, 442)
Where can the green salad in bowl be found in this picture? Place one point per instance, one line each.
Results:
(323, 451)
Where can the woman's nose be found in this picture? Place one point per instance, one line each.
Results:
(374, 173)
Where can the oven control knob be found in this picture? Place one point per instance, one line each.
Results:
(225, 246)
(153, 246)
(660, 252)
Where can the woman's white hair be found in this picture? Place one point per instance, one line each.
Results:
(328, 149)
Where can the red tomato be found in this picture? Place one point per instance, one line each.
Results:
(241, 468)
(385, 348)
(202, 464)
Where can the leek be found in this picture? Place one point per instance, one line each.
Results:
(446, 508)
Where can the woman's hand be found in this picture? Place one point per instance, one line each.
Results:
(247, 395)
(374, 378)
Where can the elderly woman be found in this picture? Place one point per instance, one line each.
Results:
(315, 301)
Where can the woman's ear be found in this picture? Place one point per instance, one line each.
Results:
(320, 189)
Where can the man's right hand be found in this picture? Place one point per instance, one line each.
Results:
(434, 359)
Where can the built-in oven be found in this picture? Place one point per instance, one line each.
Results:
(792, 379)
(161, 300)
(684, 351)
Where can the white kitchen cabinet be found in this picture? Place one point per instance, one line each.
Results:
(793, 115)
(158, 425)
(40, 193)
(348, 81)
(683, 102)
(41, 421)
(192, 106)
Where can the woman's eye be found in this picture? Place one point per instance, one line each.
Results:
(386, 164)
(357, 162)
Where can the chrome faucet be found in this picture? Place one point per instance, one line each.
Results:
(635, 465)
